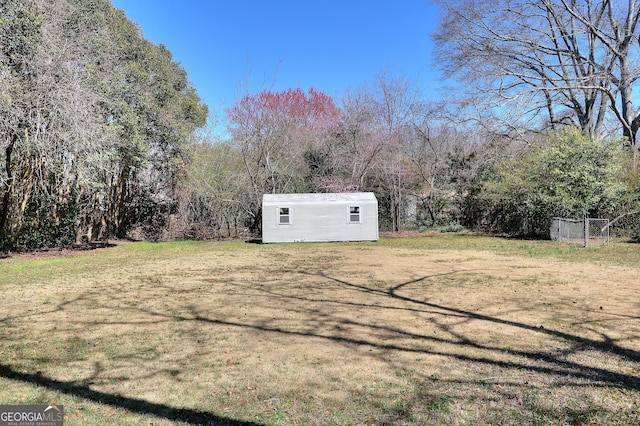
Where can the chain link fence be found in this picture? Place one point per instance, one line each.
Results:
(588, 231)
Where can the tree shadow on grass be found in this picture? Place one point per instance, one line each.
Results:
(555, 364)
(516, 381)
(134, 405)
(319, 323)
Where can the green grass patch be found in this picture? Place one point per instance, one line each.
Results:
(613, 254)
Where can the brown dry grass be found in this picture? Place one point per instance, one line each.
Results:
(316, 334)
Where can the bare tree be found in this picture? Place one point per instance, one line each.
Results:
(357, 144)
(394, 100)
(557, 61)
(427, 151)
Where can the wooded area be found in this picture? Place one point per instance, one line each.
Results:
(104, 137)
(95, 123)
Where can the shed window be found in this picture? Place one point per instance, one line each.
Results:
(354, 214)
(284, 216)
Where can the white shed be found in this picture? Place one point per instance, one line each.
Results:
(319, 217)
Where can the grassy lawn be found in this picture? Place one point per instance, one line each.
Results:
(443, 329)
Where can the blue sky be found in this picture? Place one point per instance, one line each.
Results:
(331, 45)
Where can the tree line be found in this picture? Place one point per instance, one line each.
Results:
(104, 137)
(427, 170)
(94, 123)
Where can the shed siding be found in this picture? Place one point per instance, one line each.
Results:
(320, 217)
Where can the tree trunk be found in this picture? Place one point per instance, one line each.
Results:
(6, 197)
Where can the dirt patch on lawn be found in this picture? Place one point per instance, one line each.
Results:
(343, 334)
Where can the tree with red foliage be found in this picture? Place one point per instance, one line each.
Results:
(272, 131)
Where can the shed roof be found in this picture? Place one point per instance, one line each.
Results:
(311, 198)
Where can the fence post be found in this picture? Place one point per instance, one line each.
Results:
(586, 232)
